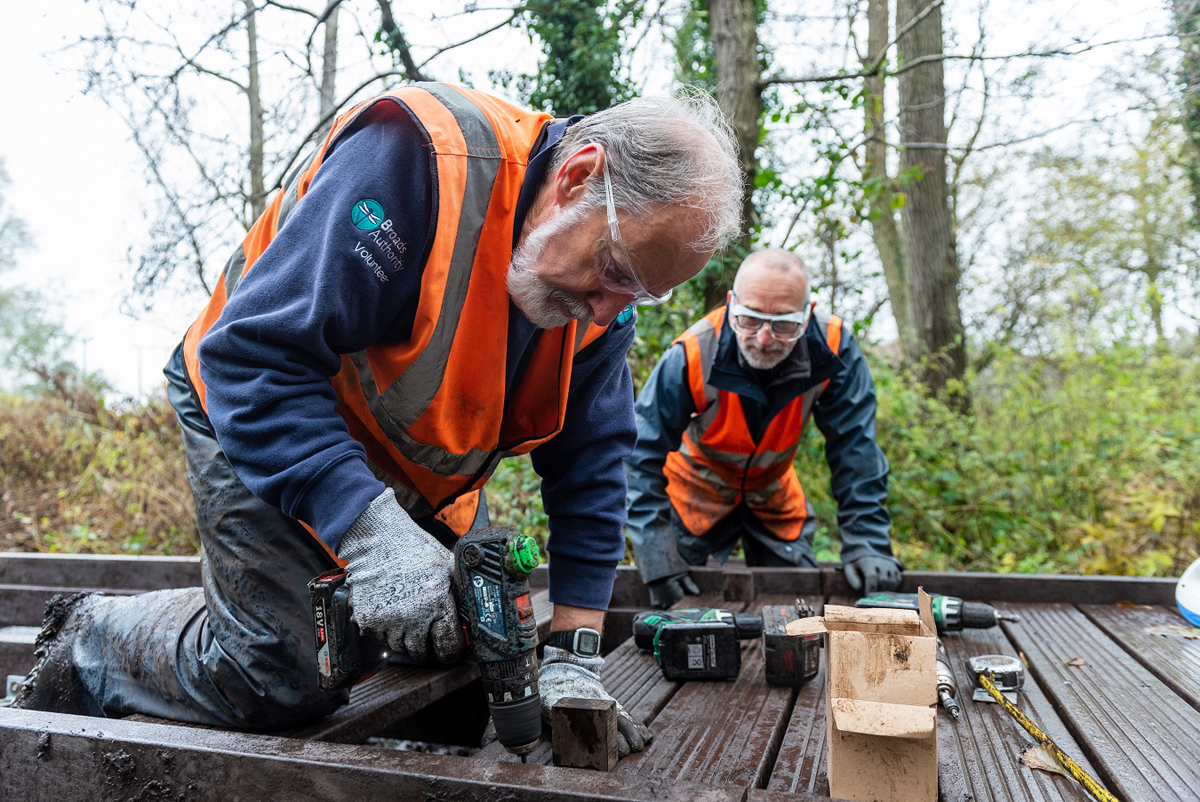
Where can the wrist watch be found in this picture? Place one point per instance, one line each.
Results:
(582, 642)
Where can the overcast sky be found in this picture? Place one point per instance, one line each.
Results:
(78, 183)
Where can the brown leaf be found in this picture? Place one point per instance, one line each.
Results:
(1125, 604)
(1174, 631)
(1039, 757)
(1076, 661)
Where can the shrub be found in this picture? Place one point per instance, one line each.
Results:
(77, 476)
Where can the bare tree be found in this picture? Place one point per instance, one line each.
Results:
(932, 261)
(881, 188)
(739, 93)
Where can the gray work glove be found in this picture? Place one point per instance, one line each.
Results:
(872, 572)
(399, 583)
(564, 675)
(670, 589)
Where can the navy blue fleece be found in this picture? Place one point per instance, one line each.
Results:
(324, 288)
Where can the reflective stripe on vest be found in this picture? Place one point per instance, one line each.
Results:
(719, 464)
(433, 412)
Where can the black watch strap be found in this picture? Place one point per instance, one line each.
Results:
(582, 642)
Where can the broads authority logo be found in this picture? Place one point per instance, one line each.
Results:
(383, 245)
(367, 214)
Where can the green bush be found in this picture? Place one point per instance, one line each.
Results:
(1079, 464)
(77, 476)
(1084, 463)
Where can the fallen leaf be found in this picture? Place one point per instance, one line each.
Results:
(1125, 604)
(1076, 661)
(1039, 757)
(1174, 631)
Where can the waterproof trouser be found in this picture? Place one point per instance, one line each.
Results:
(759, 543)
(238, 652)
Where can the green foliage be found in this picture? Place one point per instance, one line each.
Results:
(514, 497)
(1087, 464)
(1187, 20)
(582, 55)
(78, 476)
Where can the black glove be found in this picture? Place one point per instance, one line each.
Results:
(872, 572)
(670, 589)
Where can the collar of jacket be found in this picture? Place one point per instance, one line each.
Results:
(810, 363)
(540, 157)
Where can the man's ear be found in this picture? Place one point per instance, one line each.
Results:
(576, 170)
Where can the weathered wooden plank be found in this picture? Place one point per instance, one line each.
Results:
(1137, 731)
(390, 695)
(99, 570)
(632, 678)
(800, 767)
(723, 733)
(47, 757)
(23, 605)
(979, 755)
(1152, 636)
(1001, 588)
(16, 650)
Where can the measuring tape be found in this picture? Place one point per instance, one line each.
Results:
(1076, 771)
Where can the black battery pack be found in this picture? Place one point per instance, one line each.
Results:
(788, 660)
(699, 650)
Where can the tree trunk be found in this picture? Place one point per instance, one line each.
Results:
(938, 349)
(258, 192)
(1187, 25)
(329, 73)
(733, 27)
(883, 218)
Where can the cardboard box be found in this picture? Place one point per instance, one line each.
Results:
(881, 701)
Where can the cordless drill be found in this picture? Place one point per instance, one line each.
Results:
(490, 583)
(950, 613)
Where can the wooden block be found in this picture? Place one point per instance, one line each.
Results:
(584, 733)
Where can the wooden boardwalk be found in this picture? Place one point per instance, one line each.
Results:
(1112, 678)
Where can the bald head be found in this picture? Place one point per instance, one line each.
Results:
(774, 266)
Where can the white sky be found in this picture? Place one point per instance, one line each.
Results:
(78, 183)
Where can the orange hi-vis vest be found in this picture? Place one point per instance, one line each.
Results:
(433, 412)
(719, 464)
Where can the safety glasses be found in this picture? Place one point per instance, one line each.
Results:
(785, 328)
(617, 277)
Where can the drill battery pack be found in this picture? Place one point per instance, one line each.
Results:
(698, 650)
(789, 660)
(344, 655)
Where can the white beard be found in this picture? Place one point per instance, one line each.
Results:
(765, 360)
(545, 307)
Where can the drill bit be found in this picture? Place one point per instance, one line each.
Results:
(946, 686)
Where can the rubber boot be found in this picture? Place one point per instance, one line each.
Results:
(53, 684)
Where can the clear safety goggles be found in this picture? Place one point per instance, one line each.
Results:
(785, 328)
(622, 278)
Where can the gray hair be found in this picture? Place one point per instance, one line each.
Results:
(667, 151)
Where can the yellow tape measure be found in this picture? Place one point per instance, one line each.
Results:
(1072, 768)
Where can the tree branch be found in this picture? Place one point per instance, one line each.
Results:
(397, 42)
(1066, 51)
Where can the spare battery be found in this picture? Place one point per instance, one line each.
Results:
(698, 650)
(788, 660)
